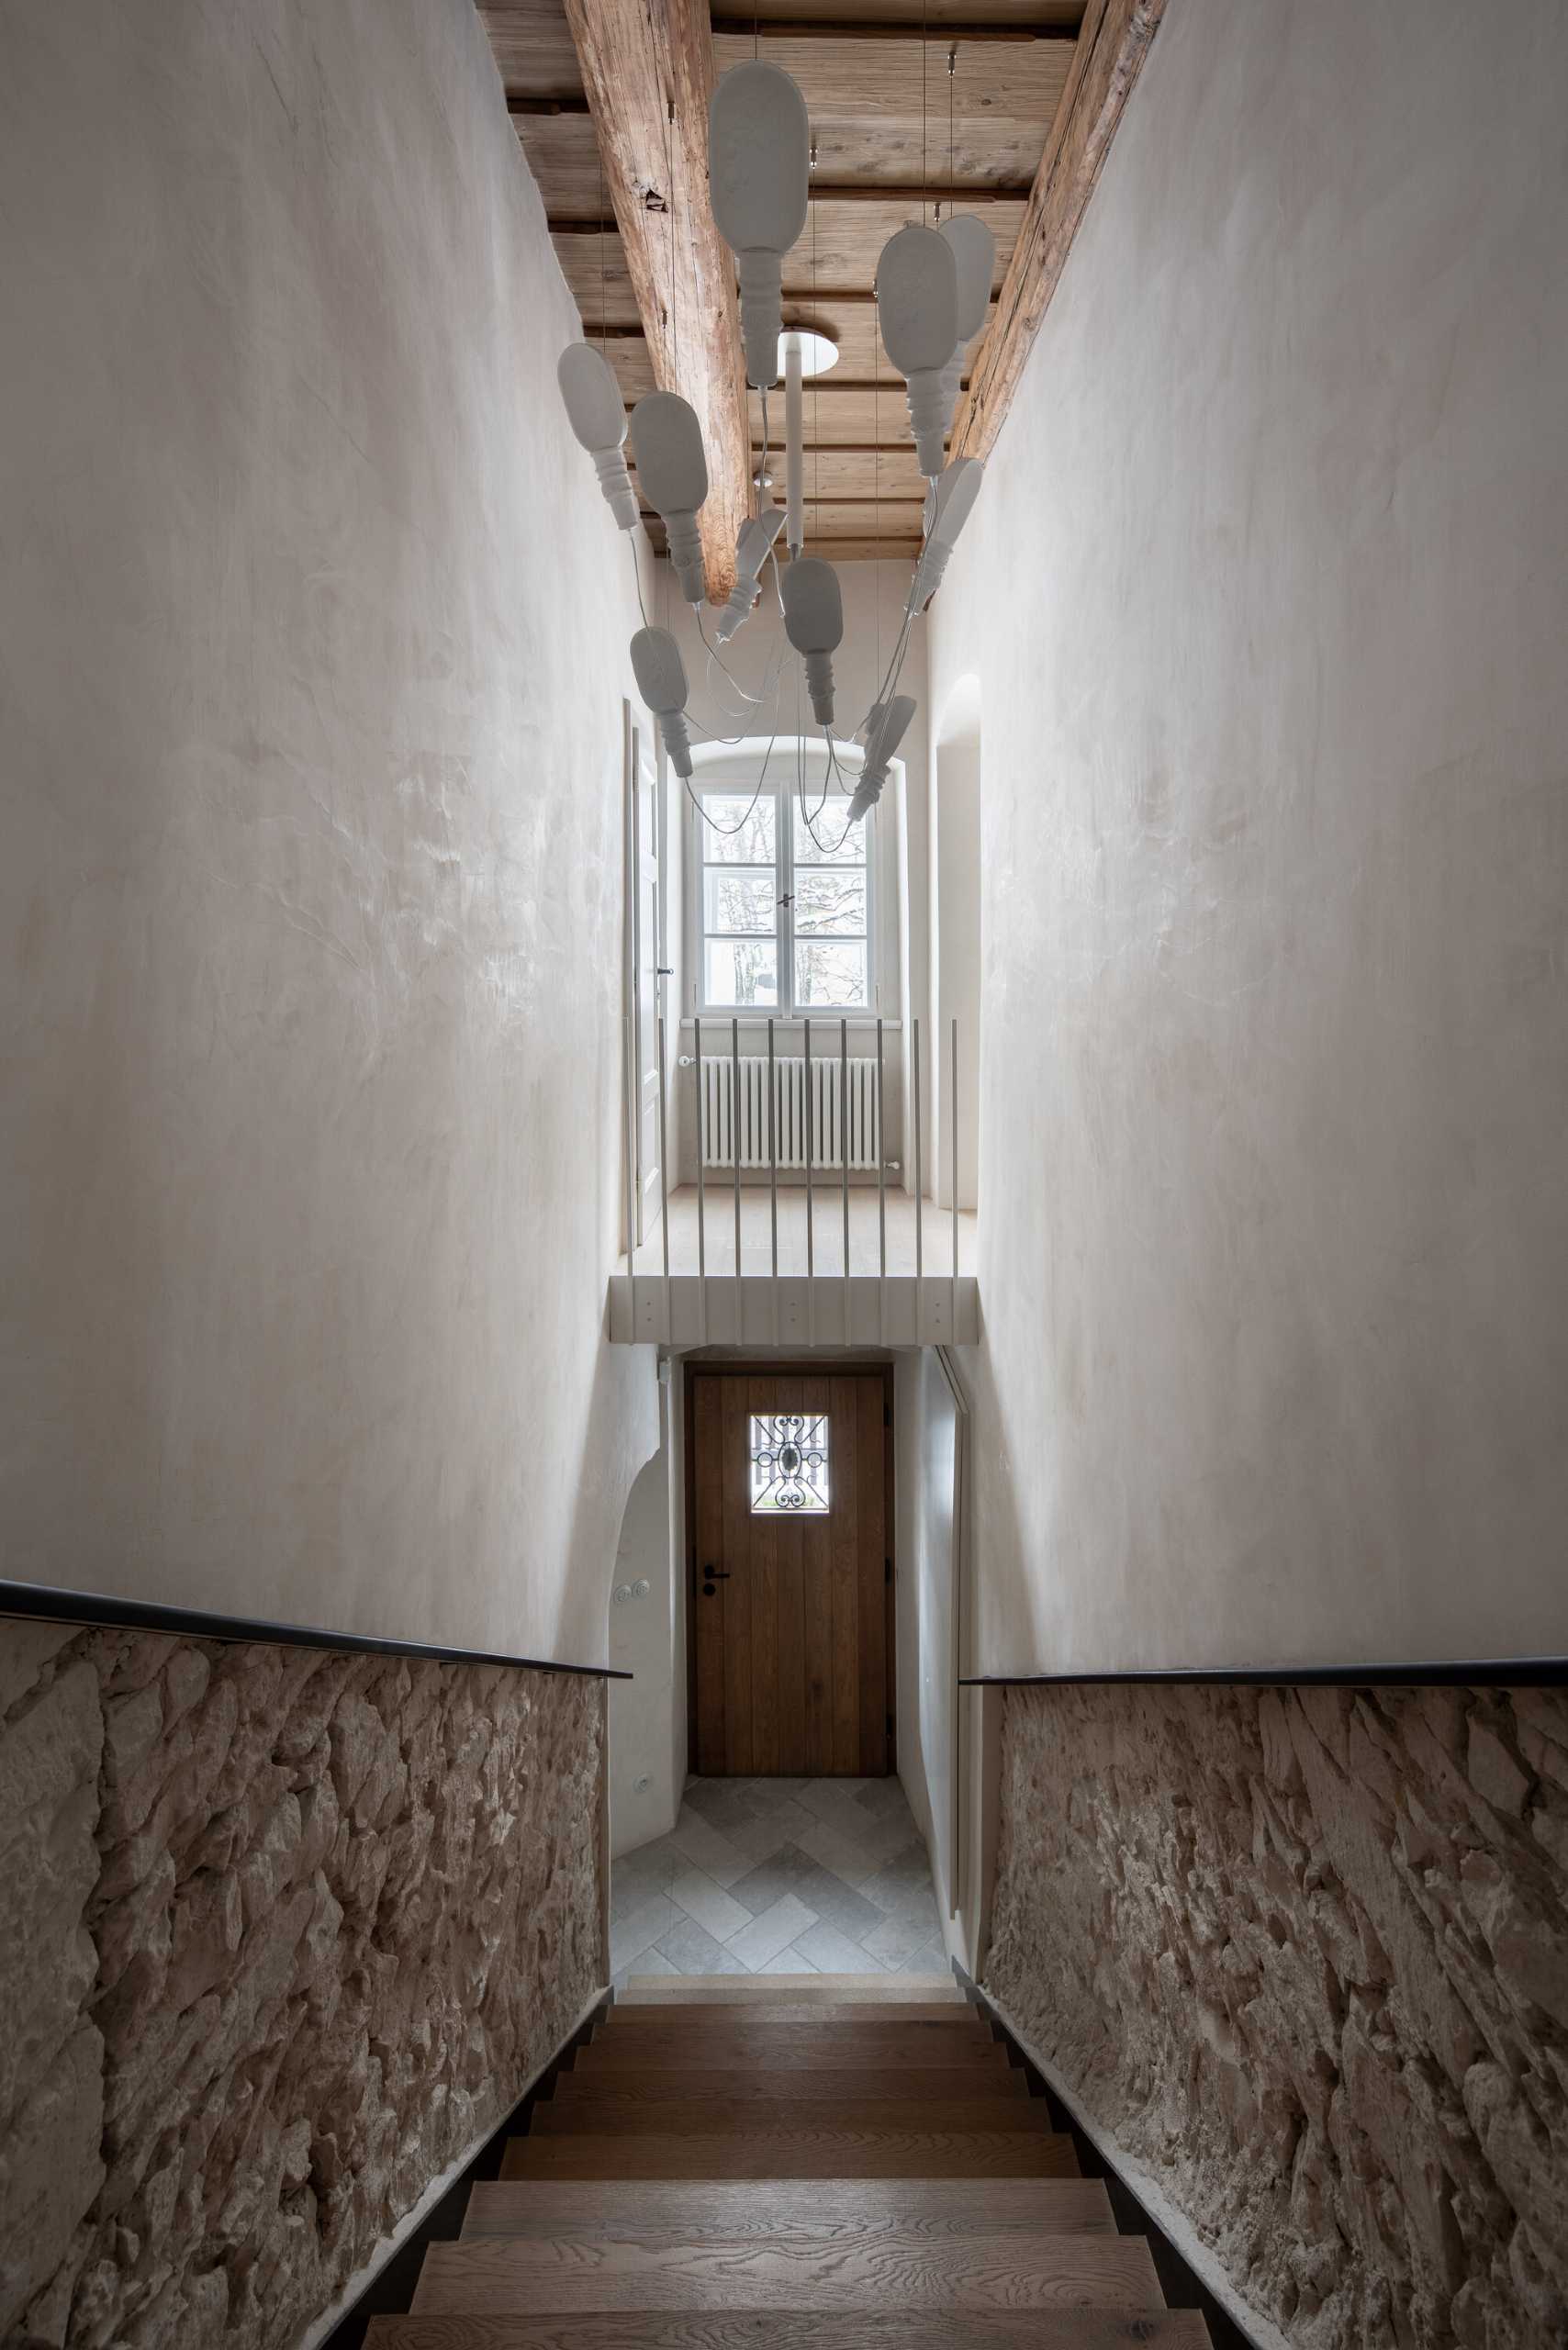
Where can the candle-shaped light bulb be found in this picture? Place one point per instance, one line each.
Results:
(597, 414)
(950, 501)
(917, 305)
(758, 183)
(813, 621)
(974, 257)
(753, 546)
(667, 442)
(661, 680)
(882, 740)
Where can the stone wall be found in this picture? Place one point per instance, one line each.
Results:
(1304, 1953)
(283, 1931)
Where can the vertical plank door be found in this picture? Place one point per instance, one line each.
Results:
(790, 1654)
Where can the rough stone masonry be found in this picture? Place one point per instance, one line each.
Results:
(283, 1931)
(1303, 1953)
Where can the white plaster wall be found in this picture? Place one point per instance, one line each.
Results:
(925, 1440)
(1267, 595)
(310, 674)
(954, 939)
(642, 1710)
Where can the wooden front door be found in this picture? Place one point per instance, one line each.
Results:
(791, 1583)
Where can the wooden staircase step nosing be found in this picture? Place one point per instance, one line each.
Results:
(805, 2330)
(724, 1990)
(849, 2085)
(751, 2153)
(695, 2015)
(1078, 2271)
(666, 2212)
(598, 2109)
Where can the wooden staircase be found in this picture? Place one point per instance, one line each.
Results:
(836, 2163)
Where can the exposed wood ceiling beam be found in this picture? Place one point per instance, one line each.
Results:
(647, 67)
(885, 28)
(1112, 47)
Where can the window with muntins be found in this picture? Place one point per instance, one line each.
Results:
(785, 909)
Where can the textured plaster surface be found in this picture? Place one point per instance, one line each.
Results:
(311, 649)
(1267, 596)
(283, 1932)
(1304, 1955)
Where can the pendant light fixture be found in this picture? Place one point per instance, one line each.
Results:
(666, 440)
(754, 545)
(882, 740)
(661, 680)
(597, 414)
(949, 503)
(917, 305)
(813, 621)
(759, 178)
(974, 257)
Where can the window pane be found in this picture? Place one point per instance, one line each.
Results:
(830, 901)
(837, 840)
(731, 836)
(830, 972)
(738, 901)
(788, 1453)
(741, 971)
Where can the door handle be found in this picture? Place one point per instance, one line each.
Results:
(663, 971)
(711, 1577)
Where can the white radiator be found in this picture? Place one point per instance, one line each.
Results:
(832, 1119)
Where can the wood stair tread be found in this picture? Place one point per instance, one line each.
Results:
(685, 2015)
(771, 2046)
(810, 1990)
(1079, 2271)
(666, 2210)
(802, 2150)
(599, 2109)
(846, 2084)
(1153, 2329)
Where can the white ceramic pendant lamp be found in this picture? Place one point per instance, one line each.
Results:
(666, 440)
(933, 291)
(759, 184)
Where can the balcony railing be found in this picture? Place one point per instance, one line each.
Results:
(887, 1294)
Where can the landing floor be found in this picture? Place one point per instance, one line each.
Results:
(779, 1876)
(827, 1232)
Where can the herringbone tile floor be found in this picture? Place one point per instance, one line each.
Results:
(779, 1876)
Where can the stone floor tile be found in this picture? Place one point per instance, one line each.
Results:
(896, 1940)
(692, 1949)
(701, 1898)
(833, 1953)
(647, 1962)
(838, 1903)
(792, 1961)
(699, 1844)
(772, 1878)
(639, 1928)
(758, 1944)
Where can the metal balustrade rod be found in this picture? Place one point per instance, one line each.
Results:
(628, 1040)
(701, 1201)
(952, 1184)
(810, 1284)
(736, 1156)
(919, 1182)
(844, 1156)
(664, 1188)
(773, 1173)
(881, 1202)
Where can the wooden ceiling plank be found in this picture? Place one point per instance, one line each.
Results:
(1115, 42)
(1064, 14)
(532, 47)
(1013, 29)
(647, 66)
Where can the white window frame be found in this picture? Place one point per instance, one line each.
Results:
(781, 790)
